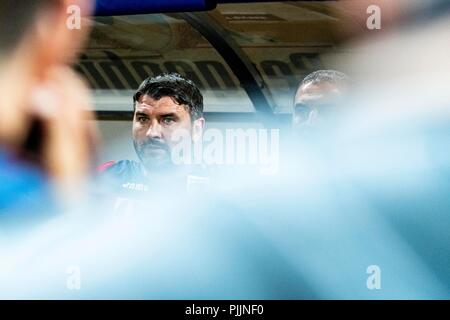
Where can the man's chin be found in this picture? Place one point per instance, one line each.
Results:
(155, 158)
(156, 155)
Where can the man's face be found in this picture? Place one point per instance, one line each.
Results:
(154, 124)
(315, 101)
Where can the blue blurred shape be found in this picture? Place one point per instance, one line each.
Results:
(127, 7)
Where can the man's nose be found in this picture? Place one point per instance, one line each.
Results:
(154, 131)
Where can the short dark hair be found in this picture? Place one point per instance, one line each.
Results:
(331, 76)
(173, 85)
(16, 18)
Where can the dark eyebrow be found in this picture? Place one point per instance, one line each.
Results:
(141, 114)
(169, 114)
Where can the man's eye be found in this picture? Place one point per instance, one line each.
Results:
(142, 119)
(168, 120)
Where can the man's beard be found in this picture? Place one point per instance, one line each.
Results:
(154, 154)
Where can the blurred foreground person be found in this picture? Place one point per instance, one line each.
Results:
(317, 96)
(45, 141)
(168, 112)
(369, 219)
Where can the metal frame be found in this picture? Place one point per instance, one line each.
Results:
(239, 63)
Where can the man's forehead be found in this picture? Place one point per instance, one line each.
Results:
(165, 104)
(317, 90)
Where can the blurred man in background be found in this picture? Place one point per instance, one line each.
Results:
(43, 103)
(316, 97)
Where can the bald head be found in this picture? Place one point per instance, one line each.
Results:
(316, 95)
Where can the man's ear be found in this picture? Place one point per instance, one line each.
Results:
(197, 129)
